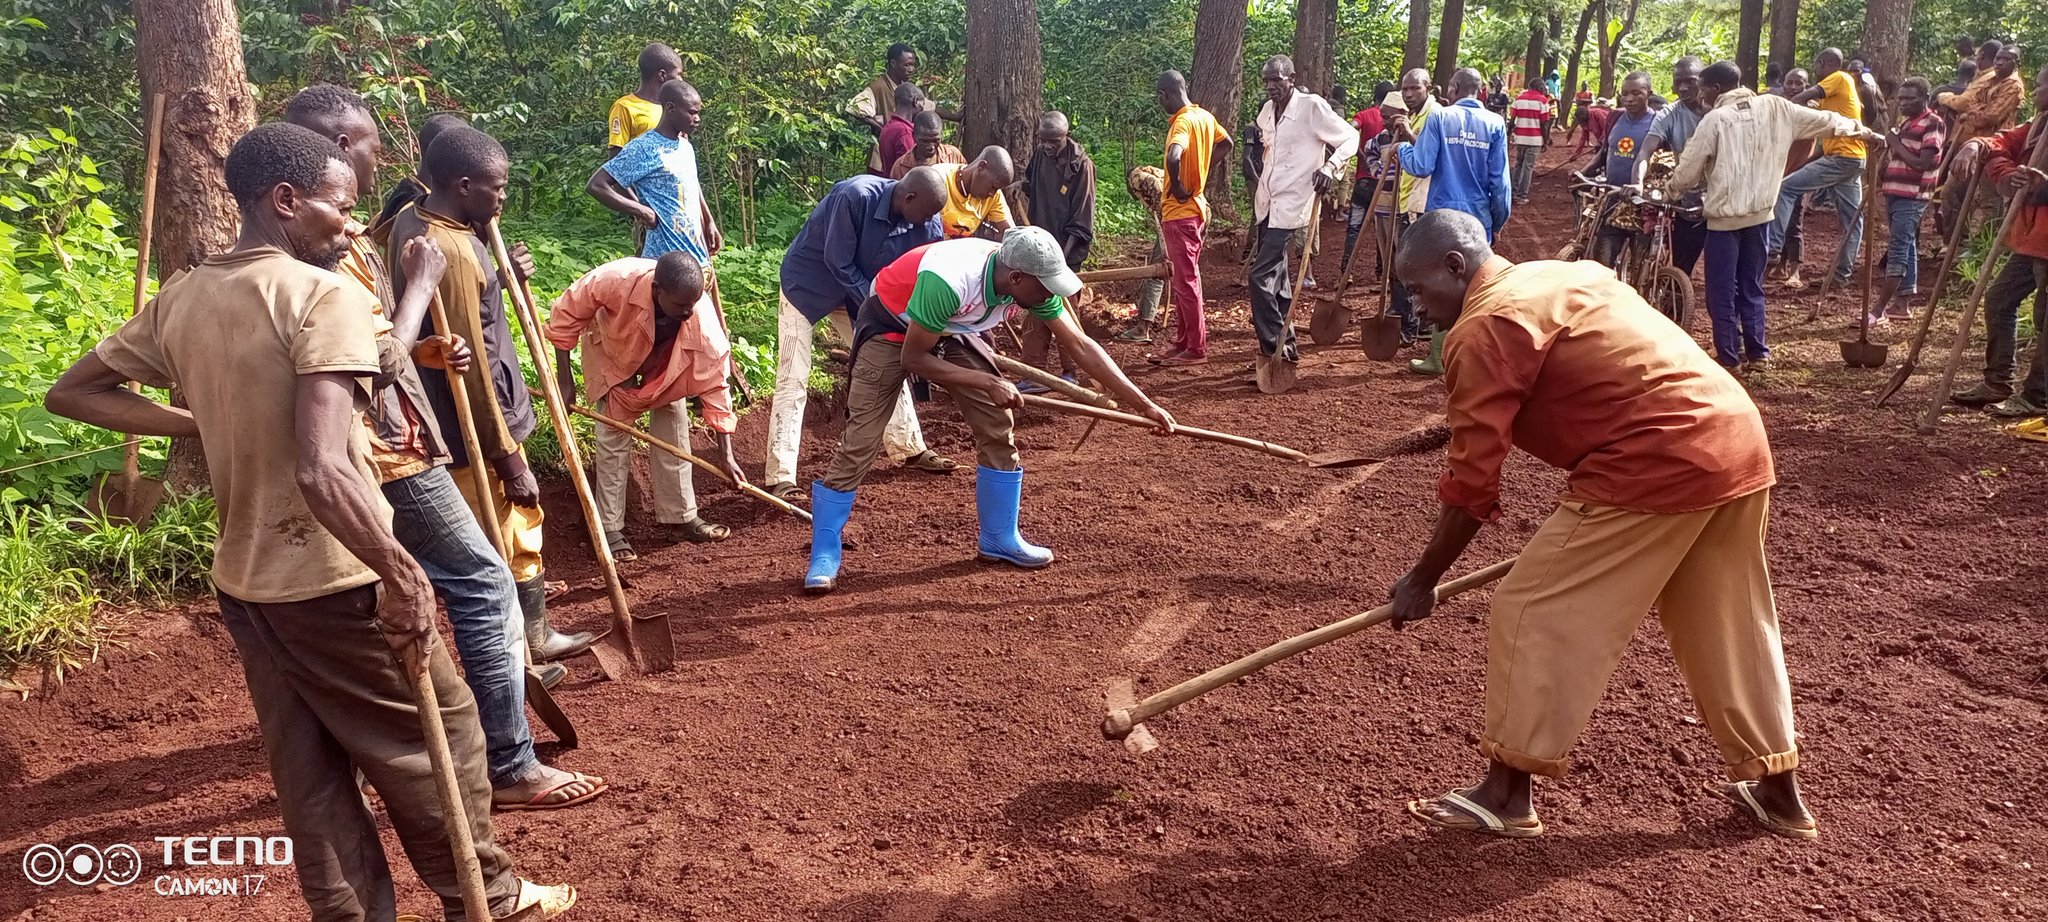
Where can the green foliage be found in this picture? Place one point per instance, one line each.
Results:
(60, 570)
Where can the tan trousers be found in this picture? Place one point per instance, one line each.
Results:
(520, 525)
(1566, 612)
(878, 379)
(675, 495)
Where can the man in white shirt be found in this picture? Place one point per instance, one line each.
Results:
(1306, 143)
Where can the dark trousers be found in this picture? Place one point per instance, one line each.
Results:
(1735, 293)
(1688, 241)
(2022, 276)
(1038, 343)
(331, 697)
(1399, 302)
(1273, 294)
(1795, 235)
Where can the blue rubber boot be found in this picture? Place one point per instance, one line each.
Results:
(997, 496)
(829, 511)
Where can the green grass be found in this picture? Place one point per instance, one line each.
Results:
(60, 571)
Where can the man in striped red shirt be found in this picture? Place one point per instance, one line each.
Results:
(1529, 133)
(1911, 170)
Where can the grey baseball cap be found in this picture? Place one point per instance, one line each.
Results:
(1032, 251)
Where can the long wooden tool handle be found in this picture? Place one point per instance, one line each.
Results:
(454, 816)
(1053, 381)
(465, 416)
(1368, 225)
(1158, 270)
(1223, 675)
(1932, 417)
(715, 470)
(1308, 242)
(131, 465)
(558, 413)
(1128, 419)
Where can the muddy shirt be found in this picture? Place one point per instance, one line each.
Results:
(234, 334)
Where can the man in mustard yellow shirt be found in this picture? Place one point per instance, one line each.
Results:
(1838, 173)
(1193, 141)
(635, 113)
(974, 194)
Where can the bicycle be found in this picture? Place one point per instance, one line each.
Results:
(1644, 261)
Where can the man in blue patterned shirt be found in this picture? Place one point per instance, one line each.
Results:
(653, 180)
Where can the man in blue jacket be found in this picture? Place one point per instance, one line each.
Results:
(862, 225)
(1463, 150)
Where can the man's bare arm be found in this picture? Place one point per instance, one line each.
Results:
(92, 392)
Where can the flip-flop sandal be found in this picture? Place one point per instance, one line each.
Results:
(1741, 794)
(931, 462)
(553, 587)
(698, 531)
(1133, 335)
(1480, 818)
(552, 901)
(788, 492)
(540, 801)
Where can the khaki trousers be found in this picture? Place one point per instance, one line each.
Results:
(520, 525)
(331, 697)
(675, 494)
(878, 380)
(902, 439)
(1566, 612)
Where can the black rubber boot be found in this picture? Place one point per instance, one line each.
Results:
(541, 637)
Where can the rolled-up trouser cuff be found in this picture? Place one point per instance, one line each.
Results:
(1776, 763)
(1522, 761)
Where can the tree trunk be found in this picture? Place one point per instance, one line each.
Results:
(1885, 23)
(1532, 60)
(1416, 53)
(1315, 41)
(1570, 87)
(191, 52)
(1004, 77)
(1749, 32)
(1784, 33)
(1447, 41)
(1610, 48)
(1216, 82)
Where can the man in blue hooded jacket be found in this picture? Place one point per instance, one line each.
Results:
(1463, 151)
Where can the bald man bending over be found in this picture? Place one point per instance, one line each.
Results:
(1669, 492)
(974, 194)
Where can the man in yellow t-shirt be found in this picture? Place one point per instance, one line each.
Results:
(1838, 173)
(1193, 141)
(974, 194)
(637, 112)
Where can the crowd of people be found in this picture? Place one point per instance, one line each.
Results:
(345, 377)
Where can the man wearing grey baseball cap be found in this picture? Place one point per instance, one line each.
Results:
(924, 321)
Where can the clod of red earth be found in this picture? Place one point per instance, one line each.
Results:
(734, 776)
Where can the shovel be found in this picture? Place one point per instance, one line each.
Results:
(1274, 373)
(1948, 264)
(454, 814)
(131, 497)
(1327, 460)
(1863, 353)
(1380, 334)
(650, 441)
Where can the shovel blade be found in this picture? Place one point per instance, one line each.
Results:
(544, 706)
(1335, 460)
(1380, 337)
(1892, 387)
(654, 643)
(1857, 354)
(121, 498)
(1326, 324)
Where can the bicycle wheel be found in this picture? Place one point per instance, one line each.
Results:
(1671, 294)
(1571, 252)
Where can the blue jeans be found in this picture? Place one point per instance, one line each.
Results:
(1902, 256)
(1735, 294)
(438, 530)
(1837, 178)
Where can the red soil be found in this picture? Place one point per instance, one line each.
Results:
(922, 745)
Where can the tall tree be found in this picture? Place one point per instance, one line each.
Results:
(1610, 38)
(1884, 40)
(1784, 34)
(1749, 31)
(1216, 83)
(191, 52)
(1415, 53)
(1005, 77)
(1532, 59)
(1315, 43)
(1570, 88)
(1447, 40)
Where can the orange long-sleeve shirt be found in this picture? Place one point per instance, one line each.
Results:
(611, 308)
(1568, 363)
(2008, 151)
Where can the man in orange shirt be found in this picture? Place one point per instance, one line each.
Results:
(1669, 491)
(651, 340)
(1193, 141)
